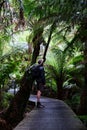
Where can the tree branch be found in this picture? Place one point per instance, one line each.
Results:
(49, 39)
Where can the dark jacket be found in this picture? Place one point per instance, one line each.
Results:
(41, 77)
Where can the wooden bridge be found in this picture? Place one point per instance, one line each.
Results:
(55, 116)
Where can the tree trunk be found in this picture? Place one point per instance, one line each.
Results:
(60, 89)
(49, 39)
(35, 53)
(0, 97)
(83, 100)
(37, 40)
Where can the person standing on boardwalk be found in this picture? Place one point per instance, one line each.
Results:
(40, 80)
(38, 75)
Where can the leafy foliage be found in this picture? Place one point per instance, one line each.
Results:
(6, 98)
(69, 66)
(43, 14)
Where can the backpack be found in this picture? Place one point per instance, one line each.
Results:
(35, 71)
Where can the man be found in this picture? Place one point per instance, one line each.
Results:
(40, 80)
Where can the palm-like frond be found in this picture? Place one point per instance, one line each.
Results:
(60, 58)
(62, 66)
(55, 65)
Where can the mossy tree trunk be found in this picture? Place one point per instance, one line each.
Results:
(83, 100)
(37, 40)
(0, 96)
(60, 88)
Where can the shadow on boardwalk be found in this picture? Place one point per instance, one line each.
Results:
(55, 116)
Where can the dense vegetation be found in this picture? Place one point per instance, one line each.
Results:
(61, 29)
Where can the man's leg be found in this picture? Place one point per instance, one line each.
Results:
(39, 92)
(38, 95)
(39, 105)
(38, 99)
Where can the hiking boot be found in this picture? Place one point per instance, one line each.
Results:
(39, 105)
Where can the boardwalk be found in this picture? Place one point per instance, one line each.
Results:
(55, 116)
